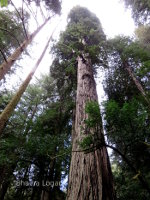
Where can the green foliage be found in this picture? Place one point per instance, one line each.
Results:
(36, 135)
(5, 97)
(122, 52)
(143, 35)
(83, 34)
(93, 111)
(53, 5)
(3, 3)
(127, 48)
(123, 115)
(140, 10)
(11, 32)
(126, 187)
(126, 115)
(93, 122)
(127, 127)
(86, 142)
(36, 144)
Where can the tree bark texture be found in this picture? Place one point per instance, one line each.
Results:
(90, 175)
(6, 66)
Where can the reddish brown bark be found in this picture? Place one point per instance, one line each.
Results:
(90, 175)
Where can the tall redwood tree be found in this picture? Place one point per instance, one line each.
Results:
(79, 51)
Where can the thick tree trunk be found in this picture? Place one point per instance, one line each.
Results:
(6, 66)
(12, 104)
(90, 175)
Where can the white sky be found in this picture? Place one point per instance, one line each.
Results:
(112, 14)
(115, 19)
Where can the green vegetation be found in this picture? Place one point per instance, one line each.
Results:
(37, 139)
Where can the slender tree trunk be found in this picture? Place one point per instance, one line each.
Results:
(4, 189)
(53, 175)
(34, 189)
(12, 104)
(46, 192)
(137, 83)
(45, 195)
(6, 66)
(6, 174)
(2, 174)
(90, 175)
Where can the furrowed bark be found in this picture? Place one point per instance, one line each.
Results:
(90, 175)
(6, 66)
(12, 104)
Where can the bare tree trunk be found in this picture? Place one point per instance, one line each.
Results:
(6, 66)
(137, 83)
(3, 190)
(45, 195)
(90, 175)
(12, 104)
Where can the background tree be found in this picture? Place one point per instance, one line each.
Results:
(140, 10)
(11, 34)
(127, 121)
(38, 148)
(53, 6)
(142, 33)
(4, 116)
(129, 54)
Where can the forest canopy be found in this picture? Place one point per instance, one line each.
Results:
(57, 141)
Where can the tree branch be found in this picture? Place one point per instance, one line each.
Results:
(11, 34)
(3, 55)
(22, 19)
(32, 12)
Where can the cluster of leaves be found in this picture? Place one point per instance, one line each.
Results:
(11, 32)
(121, 51)
(86, 142)
(93, 122)
(3, 3)
(127, 117)
(140, 10)
(93, 111)
(53, 5)
(83, 35)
